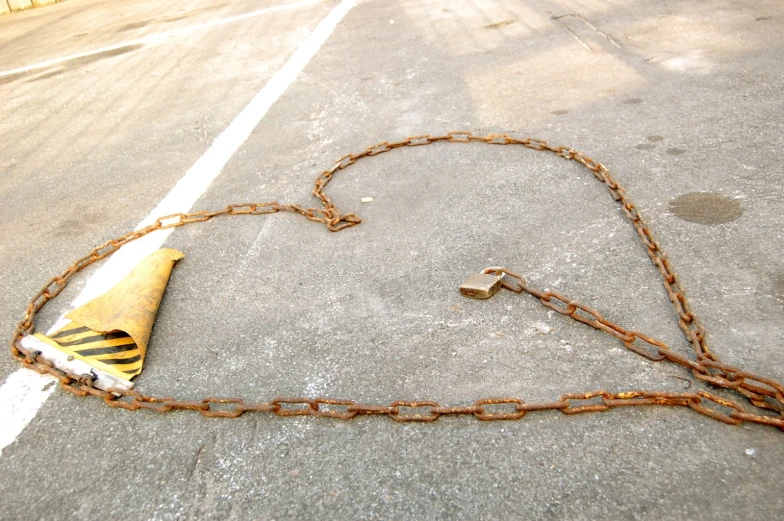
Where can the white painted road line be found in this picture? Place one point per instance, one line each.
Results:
(25, 391)
(22, 394)
(157, 37)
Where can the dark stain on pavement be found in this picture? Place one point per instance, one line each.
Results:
(81, 222)
(706, 208)
(675, 151)
(17, 76)
(45, 75)
(655, 139)
(70, 64)
(78, 62)
(500, 24)
(139, 25)
(177, 18)
(632, 101)
(559, 112)
(135, 25)
(645, 146)
(86, 60)
(70, 228)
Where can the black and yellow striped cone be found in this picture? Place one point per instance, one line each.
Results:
(115, 352)
(111, 332)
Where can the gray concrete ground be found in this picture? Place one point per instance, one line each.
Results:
(674, 97)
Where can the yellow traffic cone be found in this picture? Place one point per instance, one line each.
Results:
(110, 333)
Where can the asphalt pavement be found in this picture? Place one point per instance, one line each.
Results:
(680, 100)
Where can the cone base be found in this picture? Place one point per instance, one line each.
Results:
(60, 360)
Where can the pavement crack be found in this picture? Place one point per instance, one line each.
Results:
(197, 458)
(587, 23)
(595, 29)
(574, 35)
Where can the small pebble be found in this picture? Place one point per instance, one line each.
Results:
(367, 199)
(542, 328)
(751, 452)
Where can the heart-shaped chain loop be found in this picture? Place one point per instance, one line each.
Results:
(766, 395)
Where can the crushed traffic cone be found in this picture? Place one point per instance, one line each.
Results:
(110, 333)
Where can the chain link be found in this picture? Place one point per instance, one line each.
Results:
(763, 393)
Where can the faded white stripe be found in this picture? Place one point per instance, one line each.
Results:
(156, 37)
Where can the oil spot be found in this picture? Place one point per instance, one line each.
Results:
(706, 208)
(675, 151)
(645, 146)
(135, 25)
(763, 18)
(80, 35)
(559, 112)
(632, 101)
(500, 24)
(655, 139)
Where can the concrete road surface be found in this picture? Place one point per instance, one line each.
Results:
(105, 105)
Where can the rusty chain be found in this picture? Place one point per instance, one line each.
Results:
(762, 393)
